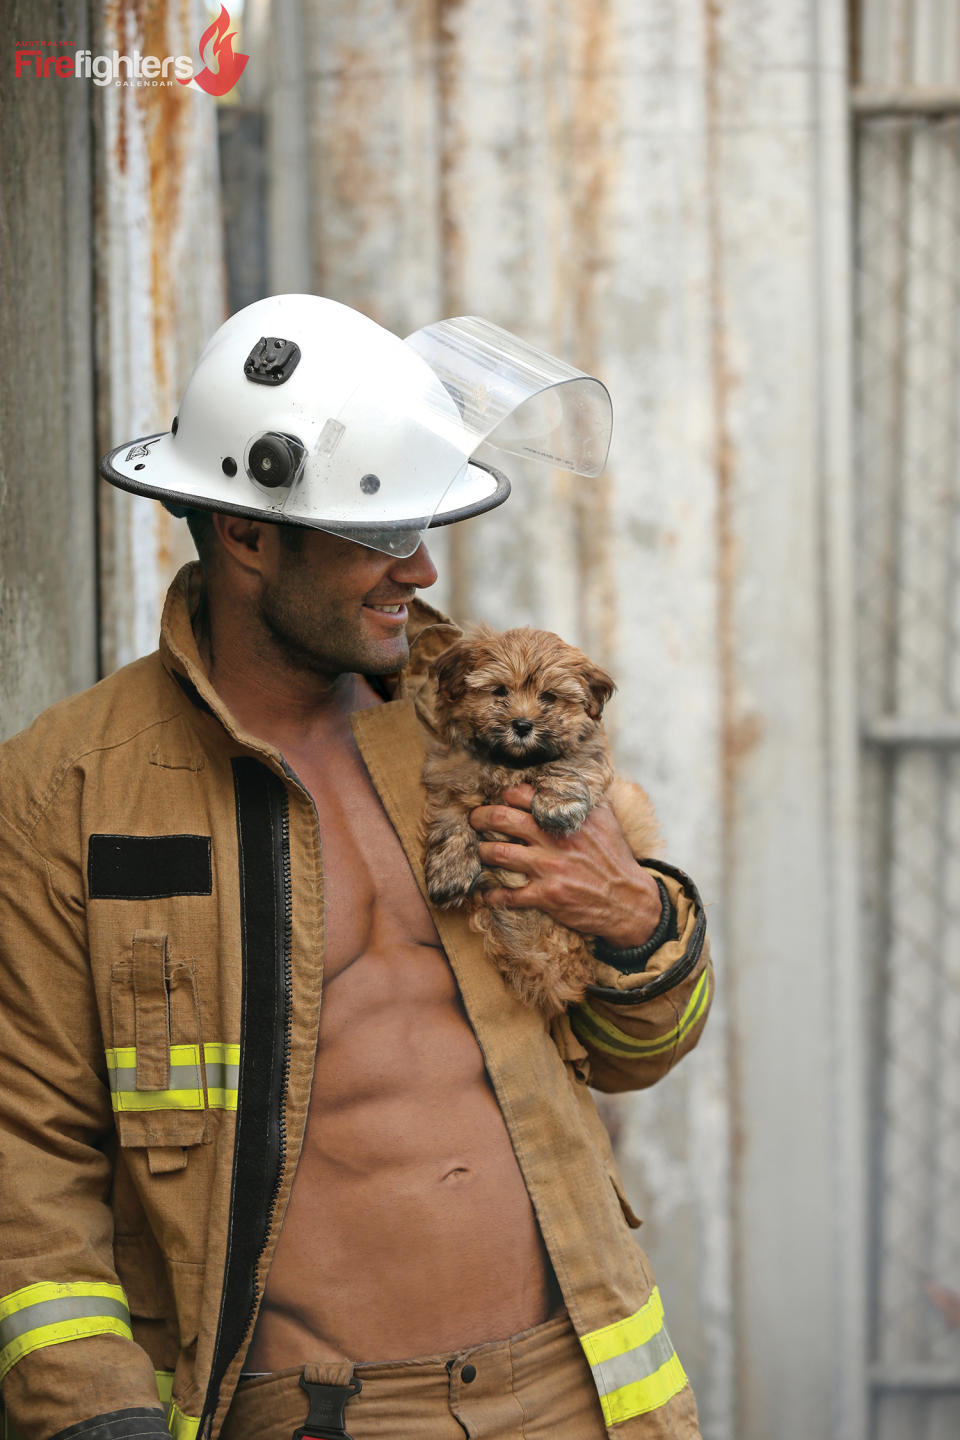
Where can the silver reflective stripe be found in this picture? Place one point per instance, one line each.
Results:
(52, 1312)
(221, 1076)
(633, 1365)
(182, 1077)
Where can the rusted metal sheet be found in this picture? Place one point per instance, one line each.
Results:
(159, 292)
(48, 622)
(776, 167)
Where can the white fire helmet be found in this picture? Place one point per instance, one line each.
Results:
(301, 410)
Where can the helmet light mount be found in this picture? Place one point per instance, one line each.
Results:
(275, 460)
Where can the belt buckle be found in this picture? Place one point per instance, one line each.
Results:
(325, 1418)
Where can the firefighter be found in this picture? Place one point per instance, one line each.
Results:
(283, 1154)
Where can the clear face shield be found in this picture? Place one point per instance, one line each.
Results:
(397, 457)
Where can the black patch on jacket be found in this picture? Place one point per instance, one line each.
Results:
(148, 867)
(118, 1425)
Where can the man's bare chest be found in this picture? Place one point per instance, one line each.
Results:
(370, 895)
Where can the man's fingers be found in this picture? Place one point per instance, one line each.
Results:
(519, 796)
(518, 823)
(507, 856)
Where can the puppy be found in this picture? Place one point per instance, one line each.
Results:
(514, 708)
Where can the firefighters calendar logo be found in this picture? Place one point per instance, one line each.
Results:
(219, 69)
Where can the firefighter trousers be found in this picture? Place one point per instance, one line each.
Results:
(534, 1386)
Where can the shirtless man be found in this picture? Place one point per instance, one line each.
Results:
(282, 1152)
(426, 1241)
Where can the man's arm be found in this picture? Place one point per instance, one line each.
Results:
(653, 984)
(67, 1355)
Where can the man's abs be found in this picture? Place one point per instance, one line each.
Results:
(409, 1230)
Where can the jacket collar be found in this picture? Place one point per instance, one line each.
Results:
(429, 632)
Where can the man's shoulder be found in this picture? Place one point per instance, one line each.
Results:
(110, 714)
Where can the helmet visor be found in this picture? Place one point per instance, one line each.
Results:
(518, 398)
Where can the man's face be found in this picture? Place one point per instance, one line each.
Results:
(335, 606)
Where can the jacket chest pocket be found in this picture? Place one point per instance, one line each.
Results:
(156, 1065)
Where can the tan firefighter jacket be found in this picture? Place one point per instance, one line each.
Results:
(161, 960)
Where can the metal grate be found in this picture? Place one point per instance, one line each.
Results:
(908, 500)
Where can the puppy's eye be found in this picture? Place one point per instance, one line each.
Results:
(548, 697)
(500, 690)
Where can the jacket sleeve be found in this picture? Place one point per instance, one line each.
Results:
(636, 1025)
(68, 1361)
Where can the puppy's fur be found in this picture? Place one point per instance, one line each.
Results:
(514, 708)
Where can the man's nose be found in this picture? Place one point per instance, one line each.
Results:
(416, 569)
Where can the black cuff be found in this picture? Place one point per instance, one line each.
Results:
(137, 1423)
(634, 957)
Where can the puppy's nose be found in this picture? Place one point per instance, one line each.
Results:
(521, 727)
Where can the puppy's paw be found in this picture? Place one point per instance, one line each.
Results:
(560, 816)
(450, 877)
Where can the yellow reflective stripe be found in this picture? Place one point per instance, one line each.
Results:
(184, 1093)
(623, 1335)
(140, 1100)
(48, 1314)
(635, 1367)
(221, 1069)
(181, 1427)
(44, 1290)
(589, 1025)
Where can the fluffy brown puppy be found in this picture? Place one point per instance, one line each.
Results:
(521, 707)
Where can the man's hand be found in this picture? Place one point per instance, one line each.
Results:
(586, 879)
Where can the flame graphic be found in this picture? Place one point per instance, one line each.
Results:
(217, 44)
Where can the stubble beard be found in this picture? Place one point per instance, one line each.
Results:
(322, 644)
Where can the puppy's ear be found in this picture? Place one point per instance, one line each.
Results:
(451, 669)
(600, 687)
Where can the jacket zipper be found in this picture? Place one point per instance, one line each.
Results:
(278, 1122)
(262, 811)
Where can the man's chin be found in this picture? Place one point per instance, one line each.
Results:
(381, 664)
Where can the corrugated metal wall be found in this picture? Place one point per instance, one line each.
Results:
(908, 368)
(48, 629)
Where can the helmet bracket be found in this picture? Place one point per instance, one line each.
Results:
(271, 361)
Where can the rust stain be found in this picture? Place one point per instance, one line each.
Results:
(362, 184)
(594, 164)
(113, 31)
(735, 741)
(452, 143)
(744, 735)
(165, 113)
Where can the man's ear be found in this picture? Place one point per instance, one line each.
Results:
(243, 538)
